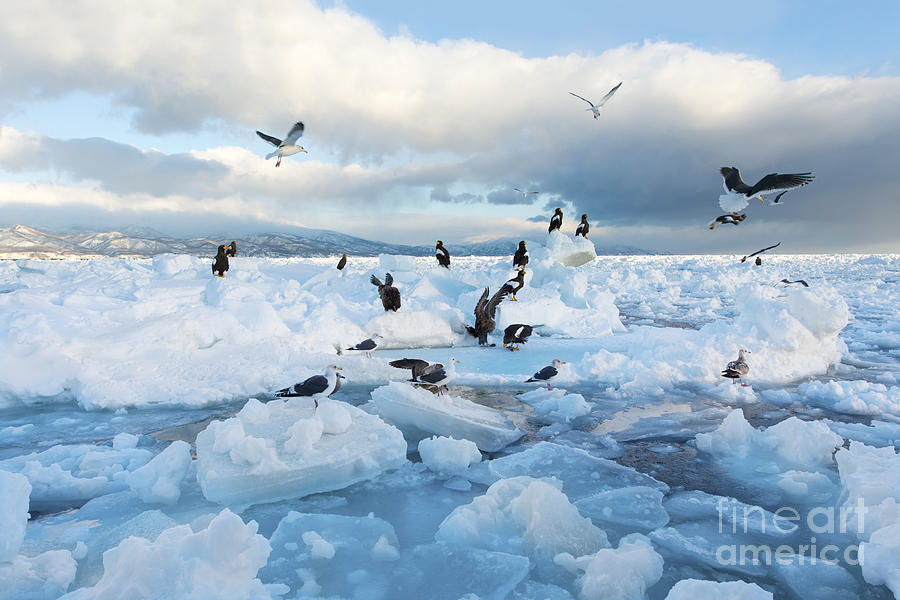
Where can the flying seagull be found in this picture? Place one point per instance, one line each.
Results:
(316, 387)
(736, 369)
(516, 334)
(738, 193)
(760, 252)
(390, 296)
(800, 281)
(368, 345)
(547, 373)
(287, 146)
(524, 193)
(595, 108)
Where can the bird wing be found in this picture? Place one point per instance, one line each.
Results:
(367, 344)
(763, 250)
(777, 198)
(376, 282)
(269, 138)
(314, 385)
(388, 279)
(733, 202)
(608, 95)
(434, 375)
(518, 190)
(546, 373)
(732, 180)
(495, 301)
(295, 132)
(585, 99)
(482, 302)
(776, 182)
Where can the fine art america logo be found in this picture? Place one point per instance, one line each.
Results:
(805, 537)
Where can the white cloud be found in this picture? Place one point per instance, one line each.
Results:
(413, 122)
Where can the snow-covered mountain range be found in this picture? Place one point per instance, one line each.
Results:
(21, 241)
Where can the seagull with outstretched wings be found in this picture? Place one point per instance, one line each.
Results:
(287, 146)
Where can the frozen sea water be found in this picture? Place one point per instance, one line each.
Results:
(95, 349)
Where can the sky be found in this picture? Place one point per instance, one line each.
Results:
(422, 117)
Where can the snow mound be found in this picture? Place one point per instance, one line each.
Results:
(445, 455)
(46, 575)
(413, 329)
(282, 450)
(621, 573)
(524, 516)
(557, 404)
(419, 413)
(222, 562)
(871, 482)
(571, 251)
(692, 589)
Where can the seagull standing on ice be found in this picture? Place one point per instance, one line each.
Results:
(736, 369)
(316, 387)
(595, 108)
(738, 193)
(547, 373)
(368, 345)
(287, 146)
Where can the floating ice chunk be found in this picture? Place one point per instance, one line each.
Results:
(241, 462)
(532, 590)
(44, 576)
(876, 433)
(63, 476)
(734, 516)
(420, 413)
(630, 507)
(880, 566)
(622, 573)
(852, 397)
(556, 404)
(160, 479)
(704, 543)
(830, 580)
(447, 455)
(582, 475)
(222, 563)
(871, 481)
(693, 589)
(326, 548)
(123, 441)
(14, 493)
(441, 571)
(525, 516)
(792, 441)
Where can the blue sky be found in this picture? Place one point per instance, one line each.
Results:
(421, 117)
